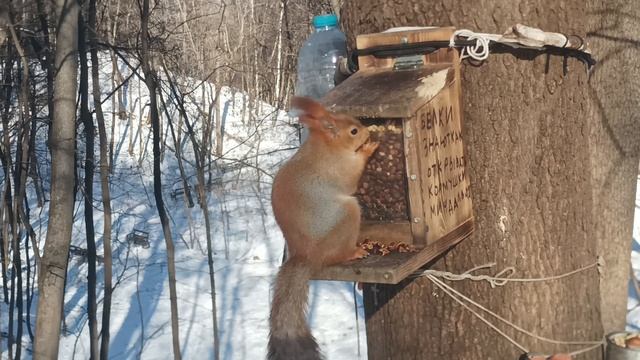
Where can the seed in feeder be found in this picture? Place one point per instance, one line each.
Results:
(385, 176)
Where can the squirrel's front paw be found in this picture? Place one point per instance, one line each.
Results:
(369, 148)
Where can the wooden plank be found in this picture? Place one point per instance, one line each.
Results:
(409, 36)
(446, 191)
(385, 232)
(416, 210)
(393, 268)
(382, 93)
(373, 269)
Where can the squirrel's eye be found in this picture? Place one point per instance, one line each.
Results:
(354, 131)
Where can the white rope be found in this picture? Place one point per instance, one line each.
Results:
(587, 349)
(501, 279)
(503, 276)
(444, 287)
(541, 338)
(479, 51)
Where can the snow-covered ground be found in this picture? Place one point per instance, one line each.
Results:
(248, 245)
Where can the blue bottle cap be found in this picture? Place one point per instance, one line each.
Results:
(320, 21)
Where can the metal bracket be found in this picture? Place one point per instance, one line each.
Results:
(409, 62)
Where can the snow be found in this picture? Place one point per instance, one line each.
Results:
(247, 243)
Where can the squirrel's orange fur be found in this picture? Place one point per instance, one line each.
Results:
(314, 206)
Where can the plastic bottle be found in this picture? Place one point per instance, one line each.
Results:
(318, 61)
(318, 57)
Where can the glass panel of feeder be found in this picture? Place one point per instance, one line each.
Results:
(382, 191)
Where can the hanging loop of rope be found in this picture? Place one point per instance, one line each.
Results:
(478, 51)
(500, 279)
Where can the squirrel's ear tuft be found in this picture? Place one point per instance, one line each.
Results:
(313, 114)
(309, 106)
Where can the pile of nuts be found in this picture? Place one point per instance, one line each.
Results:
(378, 248)
(382, 191)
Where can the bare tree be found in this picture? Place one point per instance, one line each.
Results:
(89, 136)
(8, 220)
(152, 86)
(53, 268)
(20, 180)
(104, 184)
(47, 59)
(204, 205)
(7, 79)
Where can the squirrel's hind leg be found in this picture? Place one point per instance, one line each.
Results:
(339, 245)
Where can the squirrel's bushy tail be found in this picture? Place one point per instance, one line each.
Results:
(290, 337)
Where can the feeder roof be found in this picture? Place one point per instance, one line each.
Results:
(388, 93)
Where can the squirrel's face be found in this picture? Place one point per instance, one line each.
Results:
(352, 134)
(339, 131)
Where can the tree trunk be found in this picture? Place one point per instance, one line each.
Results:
(53, 268)
(204, 205)
(115, 74)
(89, 135)
(152, 86)
(29, 285)
(47, 63)
(20, 183)
(104, 183)
(552, 160)
(178, 150)
(7, 79)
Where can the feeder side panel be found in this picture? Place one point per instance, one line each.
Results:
(446, 192)
(415, 188)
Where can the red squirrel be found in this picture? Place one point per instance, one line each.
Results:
(313, 203)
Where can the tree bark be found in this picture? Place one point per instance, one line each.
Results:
(204, 205)
(178, 150)
(104, 185)
(20, 183)
(30, 280)
(53, 268)
(152, 85)
(89, 158)
(552, 160)
(47, 63)
(7, 79)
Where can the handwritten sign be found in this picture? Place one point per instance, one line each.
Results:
(446, 192)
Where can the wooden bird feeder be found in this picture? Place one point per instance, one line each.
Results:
(83, 254)
(415, 188)
(139, 238)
